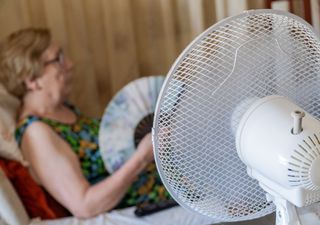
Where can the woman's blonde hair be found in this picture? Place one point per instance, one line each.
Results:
(20, 55)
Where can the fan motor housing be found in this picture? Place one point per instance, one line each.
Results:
(280, 160)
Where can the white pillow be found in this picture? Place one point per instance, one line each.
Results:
(8, 109)
(2, 222)
(11, 209)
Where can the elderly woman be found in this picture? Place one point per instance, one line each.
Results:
(58, 141)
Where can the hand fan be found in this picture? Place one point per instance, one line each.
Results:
(127, 119)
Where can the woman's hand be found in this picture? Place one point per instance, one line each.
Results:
(145, 149)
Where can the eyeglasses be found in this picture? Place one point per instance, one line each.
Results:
(59, 59)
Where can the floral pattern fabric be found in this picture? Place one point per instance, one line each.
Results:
(83, 139)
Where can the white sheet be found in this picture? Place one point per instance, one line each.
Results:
(174, 216)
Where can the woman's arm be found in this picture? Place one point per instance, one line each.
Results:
(58, 169)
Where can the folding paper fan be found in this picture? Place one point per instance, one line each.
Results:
(127, 119)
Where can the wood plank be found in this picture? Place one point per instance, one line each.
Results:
(85, 94)
(307, 11)
(55, 16)
(296, 7)
(221, 9)
(10, 20)
(150, 37)
(258, 4)
(98, 47)
(195, 10)
(119, 32)
(168, 18)
(315, 9)
(24, 13)
(235, 7)
(184, 34)
(37, 13)
(209, 13)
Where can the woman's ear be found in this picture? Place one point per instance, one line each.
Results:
(31, 84)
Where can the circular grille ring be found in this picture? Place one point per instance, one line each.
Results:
(252, 55)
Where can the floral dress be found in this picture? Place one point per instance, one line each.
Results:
(83, 139)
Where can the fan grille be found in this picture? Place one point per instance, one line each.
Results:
(253, 55)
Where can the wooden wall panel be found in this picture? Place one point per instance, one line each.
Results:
(184, 30)
(36, 13)
(56, 21)
(256, 4)
(169, 29)
(9, 17)
(209, 14)
(22, 12)
(84, 78)
(121, 44)
(150, 37)
(115, 41)
(195, 11)
(98, 49)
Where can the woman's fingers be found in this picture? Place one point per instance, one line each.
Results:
(145, 148)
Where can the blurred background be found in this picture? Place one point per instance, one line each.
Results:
(115, 41)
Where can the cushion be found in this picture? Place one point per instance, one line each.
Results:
(2, 221)
(37, 201)
(8, 145)
(11, 209)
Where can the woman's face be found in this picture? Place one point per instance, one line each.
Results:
(56, 78)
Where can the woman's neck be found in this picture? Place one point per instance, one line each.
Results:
(33, 105)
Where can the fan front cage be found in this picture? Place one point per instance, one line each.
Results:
(249, 56)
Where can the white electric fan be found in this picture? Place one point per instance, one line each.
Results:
(236, 131)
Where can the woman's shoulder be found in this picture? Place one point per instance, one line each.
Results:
(31, 125)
